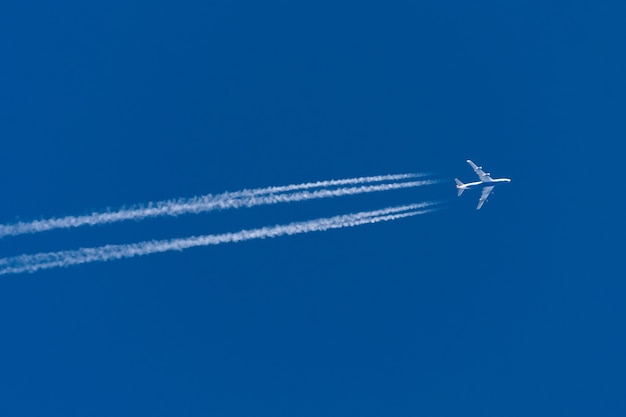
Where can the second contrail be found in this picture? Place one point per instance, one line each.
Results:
(36, 262)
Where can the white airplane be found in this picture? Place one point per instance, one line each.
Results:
(486, 182)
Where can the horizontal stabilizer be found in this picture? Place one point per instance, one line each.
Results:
(459, 186)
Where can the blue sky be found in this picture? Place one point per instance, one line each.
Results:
(512, 310)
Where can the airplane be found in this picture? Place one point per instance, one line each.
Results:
(486, 182)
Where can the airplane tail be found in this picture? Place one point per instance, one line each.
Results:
(459, 186)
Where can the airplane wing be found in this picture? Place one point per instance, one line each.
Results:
(484, 177)
(484, 196)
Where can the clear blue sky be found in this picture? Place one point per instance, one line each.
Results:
(489, 313)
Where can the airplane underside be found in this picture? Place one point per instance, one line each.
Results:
(486, 183)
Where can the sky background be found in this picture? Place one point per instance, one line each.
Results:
(516, 309)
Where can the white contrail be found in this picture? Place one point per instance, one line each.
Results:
(328, 183)
(243, 198)
(36, 262)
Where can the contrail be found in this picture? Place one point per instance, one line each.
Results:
(36, 262)
(330, 183)
(238, 199)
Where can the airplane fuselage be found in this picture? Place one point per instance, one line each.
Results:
(480, 184)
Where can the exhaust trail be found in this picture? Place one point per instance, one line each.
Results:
(227, 200)
(330, 183)
(36, 262)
